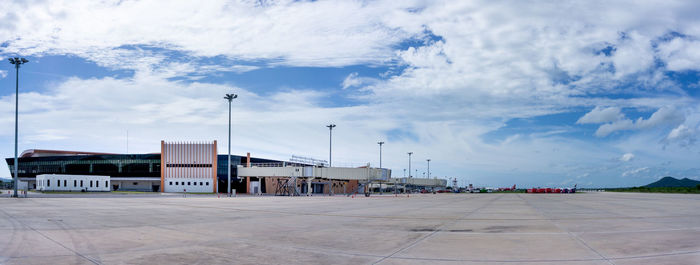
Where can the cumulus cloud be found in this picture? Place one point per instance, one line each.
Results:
(601, 115)
(354, 80)
(681, 54)
(458, 70)
(3, 74)
(683, 135)
(325, 33)
(663, 116)
(627, 157)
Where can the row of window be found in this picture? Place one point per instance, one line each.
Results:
(188, 165)
(149, 167)
(177, 183)
(75, 183)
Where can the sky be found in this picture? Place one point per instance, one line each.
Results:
(495, 93)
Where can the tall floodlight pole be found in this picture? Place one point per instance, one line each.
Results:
(330, 144)
(409, 164)
(380, 162)
(409, 167)
(380, 153)
(17, 62)
(428, 167)
(230, 98)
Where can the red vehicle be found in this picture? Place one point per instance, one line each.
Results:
(507, 189)
(552, 190)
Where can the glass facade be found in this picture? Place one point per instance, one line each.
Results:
(128, 165)
(141, 165)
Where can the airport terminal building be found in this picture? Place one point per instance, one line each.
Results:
(197, 167)
(185, 162)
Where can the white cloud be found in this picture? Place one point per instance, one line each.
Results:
(459, 70)
(3, 74)
(601, 115)
(325, 33)
(679, 132)
(683, 135)
(681, 54)
(609, 128)
(354, 80)
(634, 172)
(633, 54)
(627, 157)
(663, 116)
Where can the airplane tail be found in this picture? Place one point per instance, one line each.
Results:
(513, 186)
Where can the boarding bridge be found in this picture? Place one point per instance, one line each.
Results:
(286, 177)
(335, 173)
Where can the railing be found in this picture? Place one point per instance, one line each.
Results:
(274, 164)
(278, 164)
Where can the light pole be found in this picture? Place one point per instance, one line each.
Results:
(230, 98)
(380, 163)
(380, 153)
(330, 144)
(17, 62)
(409, 164)
(428, 167)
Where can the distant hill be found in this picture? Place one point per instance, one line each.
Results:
(673, 182)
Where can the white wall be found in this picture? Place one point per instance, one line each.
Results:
(180, 184)
(135, 185)
(55, 182)
(341, 173)
(187, 164)
(423, 182)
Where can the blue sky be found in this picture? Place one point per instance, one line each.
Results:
(535, 94)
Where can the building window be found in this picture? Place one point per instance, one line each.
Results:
(106, 183)
(207, 183)
(177, 183)
(81, 183)
(188, 183)
(48, 183)
(75, 183)
(97, 183)
(59, 183)
(91, 184)
(200, 183)
(171, 183)
(195, 183)
(135, 183)
(65, 183)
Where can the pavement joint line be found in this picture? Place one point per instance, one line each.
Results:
(550, 260)
(574, 236)
(50, 239)
(439, 229)
(255, 243)
(427, 218)
(560, 200)
(547, 206)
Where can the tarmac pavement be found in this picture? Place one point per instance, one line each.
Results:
(498, 228)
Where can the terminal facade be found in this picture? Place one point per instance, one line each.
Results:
(128, 172)
(196, 167)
